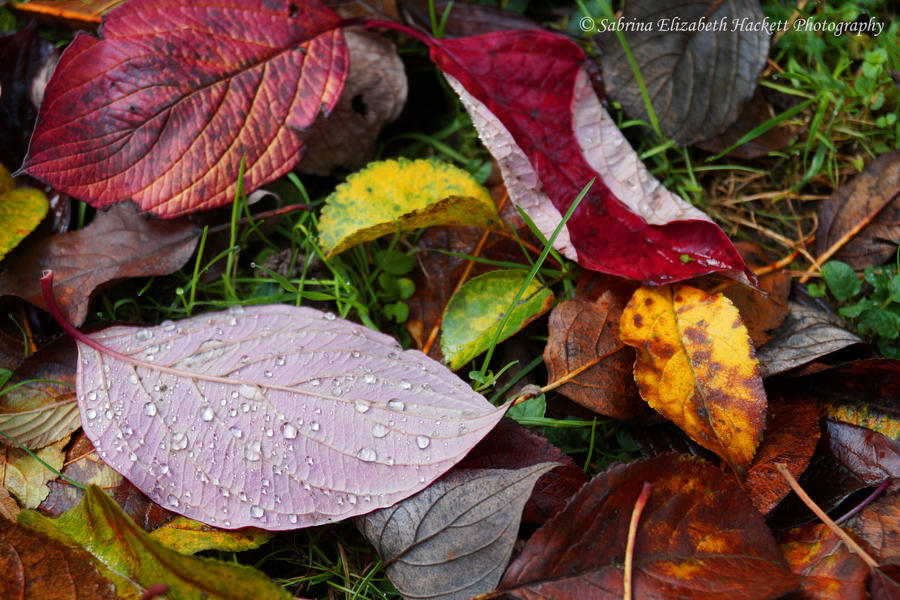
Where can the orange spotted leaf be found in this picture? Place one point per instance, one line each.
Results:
(696, 366)
(826, 567)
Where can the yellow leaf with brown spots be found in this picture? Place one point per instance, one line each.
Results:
(696, 366)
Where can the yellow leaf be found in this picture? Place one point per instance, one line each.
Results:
(696, 366)
(21, 210)
(188, 536)
(26, 478)
(6, 180)
(397, 195)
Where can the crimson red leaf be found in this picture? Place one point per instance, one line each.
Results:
(165, 106)
(530, 97)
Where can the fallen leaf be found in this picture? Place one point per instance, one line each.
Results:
(74, 14)
(698, 537)
(547, 129)
(37, 406)
(187, 536)
(374, 94)
(351, 9)
(9, 508)
(464, 18)
(792, 433)
(25, 477)
(584, 332)
(273, 416)
(660, 438)
(35, 566)
(134, 561)
(28, 61)
(871, 456)
(885, 583)
(21, 211)
(474, 314)
(165, 107)
(695, 366)
(827, 569)
(396, 195)
(454, 539)
(511, 446)
(697, 80)
(872, 192)
(805, 335)
(83, 466)
(877, 526)
(118, 243)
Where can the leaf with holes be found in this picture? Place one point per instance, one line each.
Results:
(164, 108)
(453, 540)
(275, 417)
(696, 366)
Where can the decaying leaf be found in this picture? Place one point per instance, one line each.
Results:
(584, 332)
(792, 433)
(395, 195)
(37, 406)
(698, 537)
(275, 416)
(374, 95)
(118, 243)
(475, 312)
(36, 566)
(805, 335)
(696, 366)
(9, 508)
(164, 114)
(187, 536)
(697, 80)
(25, 477)
(871, 194)
(134, 561)
(827, 569)
(453, 540)
(878, 527)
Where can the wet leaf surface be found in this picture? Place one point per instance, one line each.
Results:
(827, 569)
(697, 80)
(870, 455)
(276, 417)
(453, 539)
(133, 561)
(695, 366)
(147, 120)
(475, 313)
(697, 527)
(872, 192)
(397, 195)
(118, 243)
(36, 566)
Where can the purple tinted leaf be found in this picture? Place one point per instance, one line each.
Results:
(276, 417)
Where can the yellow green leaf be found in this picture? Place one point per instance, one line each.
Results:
(865, 415)
(397, 195)
(188, 536)
(133, 560)
(696, 366)
(25, 477)
(21, 210)
(6, 180)
(474, 313)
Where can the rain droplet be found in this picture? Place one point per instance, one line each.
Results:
(167, 325)
(369, 378)
(207, 414)
(236, 432)
(179, 441)
(314, 382)
(354, 353)
(133, 379)
(257, 512)
(245, 407)
(143, 335)
(269, 432)
(108, 414)
(362, 406)
(405, 385)
(163, 469)
(289, 431)
(253, 451)
(150, 409)
(233, 412)
(351, 498)
(267, 373)
(314, 425)
(423, 441)
(279, 361)
(235, 394)
(292, 518)
(132, 457)
(396, 404)
(171, 500)
(91, 396)
(366, 454)
(379, 430)
(329, 316)
(245, 359)
(90, 413)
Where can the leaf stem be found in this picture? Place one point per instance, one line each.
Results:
(639, 505)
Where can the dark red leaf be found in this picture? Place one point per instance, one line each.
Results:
(164, 108)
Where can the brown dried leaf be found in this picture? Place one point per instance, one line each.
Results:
(874, 191)
(827, 568)
(878, 528)
(466, 19)
(119, 243)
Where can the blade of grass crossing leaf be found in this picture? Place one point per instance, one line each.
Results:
(196, 275)
(235, 210)
(531, 275)
(761, 129)
(40, 460)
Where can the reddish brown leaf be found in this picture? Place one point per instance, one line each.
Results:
(826, 567)
(37, 567)
(177, 94)
(792, 433)
(119, 243)
(885, 583)
(511, 446)
(582, 333)
(878, 528)
(755, 112)
(698, 537)
(870, 455)
(870, 195)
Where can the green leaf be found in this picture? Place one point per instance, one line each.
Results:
(188, 536)
(133, 560)
(395, 263)
(841, 280)
(533, 408)
(21, 210)
(397, 195)
(474, 313)
(894, 289)
(882, 323)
